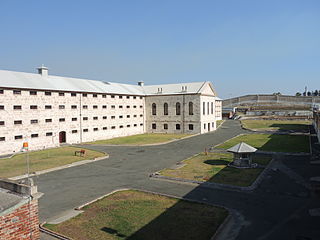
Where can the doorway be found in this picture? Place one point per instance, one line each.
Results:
(208, 127)
(62, 137)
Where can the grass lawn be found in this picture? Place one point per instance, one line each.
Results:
(213, 168)
(44, 159)
(138, 215)
(219, 122)
(271, 142)
(140, 139)
(276, 124)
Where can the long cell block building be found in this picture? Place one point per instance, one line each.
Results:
(47, 111)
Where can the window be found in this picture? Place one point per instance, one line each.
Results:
(48, 134)
(18, 137)
(141, 115)
(34, 135)
(2, 139)
(213, 124)
(141, 124)
(61, 94)
(85, 106)
(104, 128)
(33, 92)
(178, 108)
(33, 107)
(85, 118)
(134, 106)
(113, 127)
(204, 108)
(141, 97)
(48, 120)
(74, 119)
(47, 106)
(113, 106)
(34, 121)
(112, 96)
(62, 119)
(47, 93)
(128, 125)
(1, 123)
(17, 122)
(73, 106)
(141, 106)
(212, 108)
(73, 94)
(104, 106)
(94, 95)
(120, 97)
(135, 125)
(128, 97)
(95, 106)
(95, 129)
(120, 106)
(165, 126)
(1, 91)
(190, 108)
(121, 126)
(154, 126)
(128, 106)
(104, 96)
(1, 107)
(177, 126)
(17, 107)
(95, 118)
(104, 117)
(208, 108)
(154, 109)
(120, 116)
(86, 130)
(84, 95)
(204, 126)
(113, 117)
(74, 131)
(134, 97)
(165, 109)
(128, 116)
(17, 92)
(62, 107)
(135, 115)
(190, 126)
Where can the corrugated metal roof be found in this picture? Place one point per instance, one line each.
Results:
(11, 79)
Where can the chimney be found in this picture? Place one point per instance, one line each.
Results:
(141, 83)
(43, 71)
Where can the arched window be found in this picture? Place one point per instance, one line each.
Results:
(190, 108)
(178, 108)
(154, 109)
(165, 109)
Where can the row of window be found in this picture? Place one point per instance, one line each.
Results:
(48, 134)
(48, 93)
(208, 108)
(19, 107)
(34, 121)
(166, 108)
(165, 126)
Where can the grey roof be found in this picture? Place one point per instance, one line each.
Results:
(8, 199)
(22, 80)
(242, 148)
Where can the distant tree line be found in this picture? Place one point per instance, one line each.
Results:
(309, 93)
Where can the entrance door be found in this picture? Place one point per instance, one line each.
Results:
(208, 127)
(62, 137)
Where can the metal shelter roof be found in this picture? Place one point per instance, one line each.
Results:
(242, 148)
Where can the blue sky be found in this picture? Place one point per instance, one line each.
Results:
(242, 47)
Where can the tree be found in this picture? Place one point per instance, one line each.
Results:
(298, 94)
(309, 93)
(277, 93)
(316, 93)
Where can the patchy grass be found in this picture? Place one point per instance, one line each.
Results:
(213, 168)
(294, 125)
(139, 215)
(141, 139)
(271, 142)
(44, 159)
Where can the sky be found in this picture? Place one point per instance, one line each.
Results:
(241, 46)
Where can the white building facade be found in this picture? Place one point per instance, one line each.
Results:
(47, 111)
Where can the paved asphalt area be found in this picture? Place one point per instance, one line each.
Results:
(277, 209)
